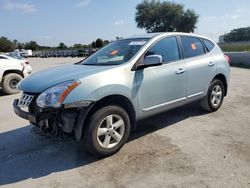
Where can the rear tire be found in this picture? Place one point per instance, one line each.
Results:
(107, 130)
(215, 96)
(10, 82)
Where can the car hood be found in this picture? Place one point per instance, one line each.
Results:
(40, 81)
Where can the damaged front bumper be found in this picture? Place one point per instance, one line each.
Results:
(56, 121)
(34, 118)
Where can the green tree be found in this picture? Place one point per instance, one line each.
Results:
(99, 43)
(93, 44)
(6, 45)
(77, 46)
(105, 42)
(238, 35)
(117, 38)
(157, 16)
(20, 45)
(32, 45)
(62, 46)
(15, 43)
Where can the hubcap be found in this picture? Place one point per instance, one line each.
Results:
(216, 95)
(13, 83)
(110, 131)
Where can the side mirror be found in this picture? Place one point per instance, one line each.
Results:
(153, 60)
(149, 61)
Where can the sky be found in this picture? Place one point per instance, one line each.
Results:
(50, 22)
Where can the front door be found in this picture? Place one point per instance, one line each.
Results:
(162, 87)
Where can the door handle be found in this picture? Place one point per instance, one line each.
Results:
(180, 71)
(210, 64)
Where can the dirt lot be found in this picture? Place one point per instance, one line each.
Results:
(185, 147)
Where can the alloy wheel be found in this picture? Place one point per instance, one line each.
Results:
(110, 131)
(216, 95)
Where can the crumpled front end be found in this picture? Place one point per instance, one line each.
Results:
(68, 119)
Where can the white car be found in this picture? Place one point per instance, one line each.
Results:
(12, 71)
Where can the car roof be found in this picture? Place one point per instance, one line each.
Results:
(145, 36)
(165, 34)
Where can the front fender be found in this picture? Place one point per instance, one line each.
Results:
(9, 68)
(82, 93)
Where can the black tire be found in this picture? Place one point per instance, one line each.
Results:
(90, 138)
(9, 83)
(207, 103)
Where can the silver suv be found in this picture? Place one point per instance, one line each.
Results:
(100, 99)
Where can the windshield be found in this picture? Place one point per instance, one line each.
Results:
(116, 53)
(15, 56)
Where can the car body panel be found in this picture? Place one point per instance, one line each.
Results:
(222, 67)
(199, 76)
(56, 75)
(161, 83)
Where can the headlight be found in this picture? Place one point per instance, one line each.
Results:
(54, 96)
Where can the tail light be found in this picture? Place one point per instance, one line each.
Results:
(227, 58)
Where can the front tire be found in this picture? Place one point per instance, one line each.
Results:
(107, 131)
(10, 82)
(215, 96)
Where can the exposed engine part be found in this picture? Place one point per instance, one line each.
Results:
(61, 123)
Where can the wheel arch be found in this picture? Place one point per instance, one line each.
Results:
(118, 100)
(222, 78)
(13, 71)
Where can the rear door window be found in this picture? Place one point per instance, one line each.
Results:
(192, 47)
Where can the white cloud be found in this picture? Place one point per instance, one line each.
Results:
(239, 10)
(83, 3)
(222, 18)
(234, 17)
(47, 37)
(207, 18)
(118, 22)
(19, 7)
(221, 24)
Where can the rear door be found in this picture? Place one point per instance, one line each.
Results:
(199, 64)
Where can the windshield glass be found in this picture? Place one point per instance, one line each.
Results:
(15, 56)
(116, 53)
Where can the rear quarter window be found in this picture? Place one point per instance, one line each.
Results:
(192, 47)
(209, 45)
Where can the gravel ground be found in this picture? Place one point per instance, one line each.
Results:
(185, 147)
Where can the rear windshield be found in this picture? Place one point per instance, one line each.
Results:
(116, 53)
